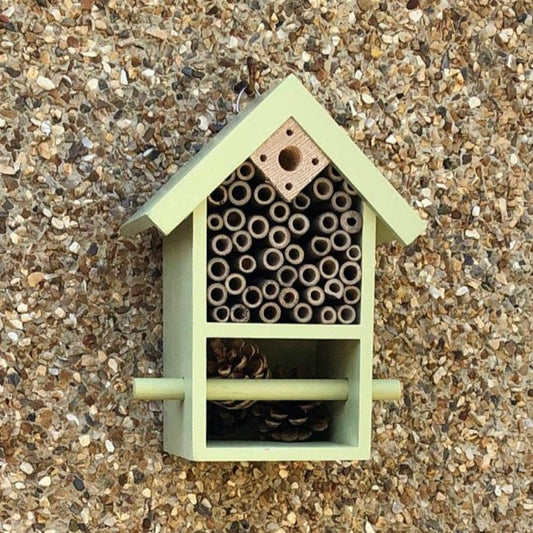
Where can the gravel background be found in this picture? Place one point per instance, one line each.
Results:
(102, 100)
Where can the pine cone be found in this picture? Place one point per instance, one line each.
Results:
(222, 421)
(236, 359)
(291, 421)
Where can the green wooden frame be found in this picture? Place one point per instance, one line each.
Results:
(346, 354)
(341, 354)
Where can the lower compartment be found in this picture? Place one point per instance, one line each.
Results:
(284, 424)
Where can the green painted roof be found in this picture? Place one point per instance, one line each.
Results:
(171, 204)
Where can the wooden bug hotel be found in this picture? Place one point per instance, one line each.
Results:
(268, 277)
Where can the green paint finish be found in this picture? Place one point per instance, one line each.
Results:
(340, 356)
(245, 133)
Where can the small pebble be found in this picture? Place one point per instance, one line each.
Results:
(45, 481)
(26, 468)
(45, 83)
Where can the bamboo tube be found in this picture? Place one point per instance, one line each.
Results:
(349, 188)
(351, 221)
(246, 264)
(309, 275)
(230, 179)
(218, 269)
(353, 253)
(242, 241)
(270, 312)
(298, 224)
(269, 288)
(246, 171)
(258, 227)
(319, 247)
(239, 313)
(322, 189)
(341, 201)
(301, 202)
(326, 223)
(218, 197)
(221, 245)
(302, 313)
(264, 194)
(220, 313)
(235, 284)
(216, 294)
(333, 174)
(288, 297)
(215, 222)
(346, 314)
(279, 212)
(279, 237)
(329, 267)
(239, 193)
(315, 296)
(234, 219)
(334, 288)
(252, 297)
(327, 315)
(350, 272)
(151, 389)
(340, 240)
(294, 254)
(352, 295)
(270, 259)
(287, 276)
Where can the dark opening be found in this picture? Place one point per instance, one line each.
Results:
(289, 158)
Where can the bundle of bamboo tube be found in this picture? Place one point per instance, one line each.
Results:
(274, 261)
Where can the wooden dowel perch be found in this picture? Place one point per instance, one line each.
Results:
(150, 389)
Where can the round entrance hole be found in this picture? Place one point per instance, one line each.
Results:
(289, 158)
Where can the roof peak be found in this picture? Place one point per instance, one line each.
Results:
(245, 133)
